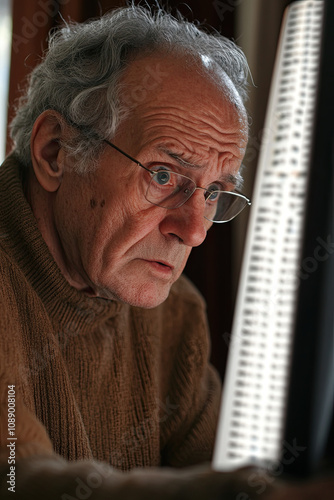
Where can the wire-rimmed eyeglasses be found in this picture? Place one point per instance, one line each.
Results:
(169, 189)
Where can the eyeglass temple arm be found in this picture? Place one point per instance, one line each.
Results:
(82, 129)
(128, 156)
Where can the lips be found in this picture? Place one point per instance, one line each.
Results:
(161, 263)
(163, 267)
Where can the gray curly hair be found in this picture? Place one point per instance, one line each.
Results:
(79, 75)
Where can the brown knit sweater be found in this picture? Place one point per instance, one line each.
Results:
(94, 379)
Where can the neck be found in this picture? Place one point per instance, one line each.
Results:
(41, 203)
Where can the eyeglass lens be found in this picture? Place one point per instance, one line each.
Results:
(171, 190)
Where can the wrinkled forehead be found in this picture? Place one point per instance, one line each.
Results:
(180, 81)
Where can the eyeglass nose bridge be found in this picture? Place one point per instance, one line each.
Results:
(188, 192)
(207, 193)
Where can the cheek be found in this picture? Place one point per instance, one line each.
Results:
(124, 197)
(186, 256)
(120, 225)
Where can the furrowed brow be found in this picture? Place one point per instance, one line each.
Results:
(180, 158)
(235, 180)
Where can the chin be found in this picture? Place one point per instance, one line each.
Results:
(147, 298)
(146, 304)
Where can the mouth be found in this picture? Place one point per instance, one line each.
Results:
(162, 263)
(161, 266)
(165, 264)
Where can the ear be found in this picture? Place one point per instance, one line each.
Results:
(46, 154)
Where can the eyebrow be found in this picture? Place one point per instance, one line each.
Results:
(235, 180)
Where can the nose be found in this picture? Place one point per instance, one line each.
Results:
(187, 222)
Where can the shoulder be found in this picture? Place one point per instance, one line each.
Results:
(11, 288)
(11, 276)
(15, 297)
(7, 274)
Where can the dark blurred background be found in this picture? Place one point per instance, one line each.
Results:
(254, 25)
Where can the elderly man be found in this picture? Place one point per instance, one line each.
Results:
(128, 145)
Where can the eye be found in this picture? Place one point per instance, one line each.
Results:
(212, 192)
(163, 177)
